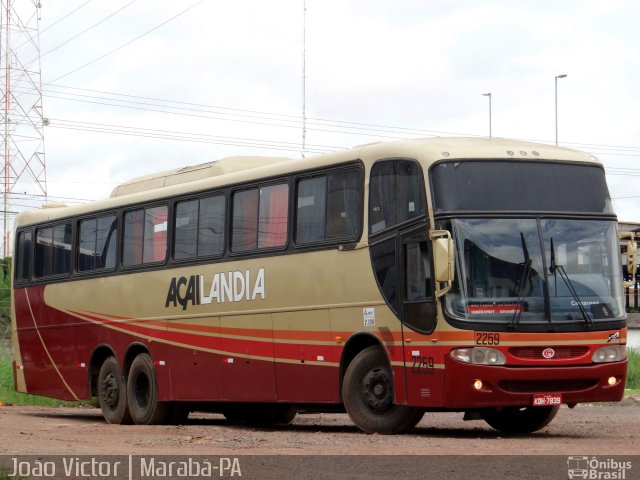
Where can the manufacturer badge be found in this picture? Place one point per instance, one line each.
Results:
(548, 353)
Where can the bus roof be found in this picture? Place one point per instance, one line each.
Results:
(244, 169)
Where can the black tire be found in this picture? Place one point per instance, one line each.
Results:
(260, 414)
(367, 393)
(520, 419)
(112, 393)
(142, 393)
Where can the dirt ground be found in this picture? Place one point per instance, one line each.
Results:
(584, 430)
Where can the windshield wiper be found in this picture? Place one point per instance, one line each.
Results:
(526, 273)
(553, 268)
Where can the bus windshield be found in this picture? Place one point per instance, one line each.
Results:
(535, 270)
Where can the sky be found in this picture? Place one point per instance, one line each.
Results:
(131, 87)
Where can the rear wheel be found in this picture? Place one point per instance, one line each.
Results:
(367, 392)
(520, 419)
(112, 393)
(142, 393)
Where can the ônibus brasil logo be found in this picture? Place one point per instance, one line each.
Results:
(223, 287)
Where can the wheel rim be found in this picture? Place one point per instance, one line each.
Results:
(110, 391)
(141, 391)
(377, 390)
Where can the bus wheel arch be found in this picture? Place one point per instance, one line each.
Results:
(368, 396)
(353, 346)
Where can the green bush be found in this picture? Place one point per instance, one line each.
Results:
(633, 374)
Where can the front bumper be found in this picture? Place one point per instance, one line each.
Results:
(515, 386)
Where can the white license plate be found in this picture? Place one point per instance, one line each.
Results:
(547, 399)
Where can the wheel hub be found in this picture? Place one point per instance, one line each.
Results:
(377, 391)
(110, 390)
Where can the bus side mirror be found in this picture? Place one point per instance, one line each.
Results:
(632, 256)
(443, 259)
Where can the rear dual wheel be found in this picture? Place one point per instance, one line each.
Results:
(142, 393)
(367, 393)
(112, 393)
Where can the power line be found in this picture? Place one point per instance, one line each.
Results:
(129, 42)
(87, 29)
(65, 16)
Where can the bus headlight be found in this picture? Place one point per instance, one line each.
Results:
(612, 353)
(479, 356)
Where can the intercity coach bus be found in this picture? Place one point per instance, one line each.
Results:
(450, 274)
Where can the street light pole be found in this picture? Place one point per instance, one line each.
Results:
(489, 95)
(556, 90)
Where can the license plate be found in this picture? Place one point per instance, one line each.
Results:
(547, 399)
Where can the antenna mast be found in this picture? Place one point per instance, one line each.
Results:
(304, 77)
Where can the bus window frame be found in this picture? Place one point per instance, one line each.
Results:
(354, 165)
(34, 241)
(24, 281)
(167, 203)
(274, 181)
(76, 245)
(170, 202)
(172, 237)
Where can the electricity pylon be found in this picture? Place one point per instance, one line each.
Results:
(24, 171)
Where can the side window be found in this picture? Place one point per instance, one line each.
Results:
(273, 216)
(417, 270)
(97, 243)
(199, 227)
(260, 218)
(396, 194)
(328, 207)
(145, 236)
(23, 260)
(53, 251)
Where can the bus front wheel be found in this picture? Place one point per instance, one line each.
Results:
(142, 393)
(367, 393)
(520, 419)
(112, 393)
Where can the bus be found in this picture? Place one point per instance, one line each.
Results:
(475, 275)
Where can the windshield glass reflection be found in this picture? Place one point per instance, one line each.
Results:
(503, 275)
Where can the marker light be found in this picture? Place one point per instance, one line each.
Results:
(612, 353)
(612, 381)
(479, 356)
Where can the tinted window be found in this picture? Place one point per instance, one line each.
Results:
(329, 207)
(145, 236)
(245, 220)
(53, 251)
(273, 217)
(23, 260)
(518, 186)
(199, 228)
(97, 243)
(260, 218)
(396, 194)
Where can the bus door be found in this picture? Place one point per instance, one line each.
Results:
(422, 360)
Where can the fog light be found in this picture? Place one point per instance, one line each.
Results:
(478, 385)
(612, 380)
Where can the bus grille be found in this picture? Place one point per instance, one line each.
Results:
(550, 386)
(535, 353)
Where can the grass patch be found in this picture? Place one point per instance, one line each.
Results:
(633, 374)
